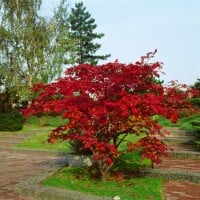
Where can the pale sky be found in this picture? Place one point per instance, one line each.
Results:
(134, 27)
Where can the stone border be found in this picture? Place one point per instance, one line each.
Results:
(184, 154)
(33, 188)
(193, 177)
(25, 150)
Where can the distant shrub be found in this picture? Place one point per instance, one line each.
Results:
(12, 121)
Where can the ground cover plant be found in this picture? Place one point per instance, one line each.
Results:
(79, 179)
(105, 104)
(11, 121)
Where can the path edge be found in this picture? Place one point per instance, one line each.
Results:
(33, 188)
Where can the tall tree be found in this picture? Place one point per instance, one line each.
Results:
(27, 52)
(61, 42)
(82, 27)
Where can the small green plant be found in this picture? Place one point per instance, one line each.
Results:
(131, 162)
(12, 121)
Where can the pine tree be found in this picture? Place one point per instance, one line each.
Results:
(82, 27)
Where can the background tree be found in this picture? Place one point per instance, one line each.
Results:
(82, 27)
(30, 47)
(61, 42)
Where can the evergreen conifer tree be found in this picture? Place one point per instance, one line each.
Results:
(82, 27)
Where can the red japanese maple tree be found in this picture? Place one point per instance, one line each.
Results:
(106, 103)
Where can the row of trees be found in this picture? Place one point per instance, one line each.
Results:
(35, 49)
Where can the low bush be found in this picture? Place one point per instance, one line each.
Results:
(131, 161)
(12, 121)
(196, 102)
(196, 130)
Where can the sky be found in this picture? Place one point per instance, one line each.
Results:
(133, 28)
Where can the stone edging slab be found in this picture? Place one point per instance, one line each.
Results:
(25, 150)
(184, 154)
(193, 177)
(33, 188)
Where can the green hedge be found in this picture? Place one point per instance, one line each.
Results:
(12, 121)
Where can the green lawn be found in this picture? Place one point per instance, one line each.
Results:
(135, 188)
(44, 125)
(39, 141)
(183, 123)
(26, 128)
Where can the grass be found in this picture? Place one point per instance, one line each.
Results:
(184, 122)
(26, 128)
(39, 141)
(46, 124)
(52, 121)
(78, 179)
(165, 122)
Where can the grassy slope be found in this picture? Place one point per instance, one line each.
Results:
(183, 123)
(39, 140)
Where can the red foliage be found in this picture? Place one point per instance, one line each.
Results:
(106, 103)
